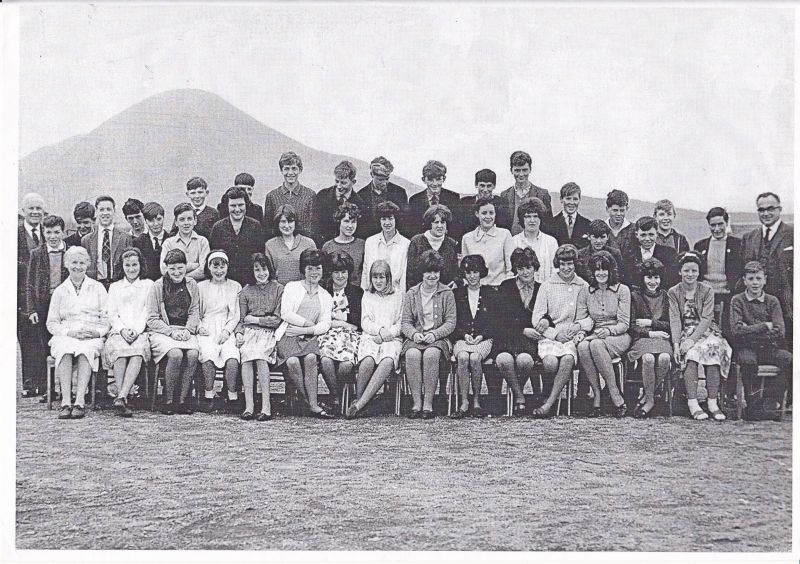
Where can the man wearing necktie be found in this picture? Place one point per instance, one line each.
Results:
(105, 244)
(29, 237)
(433, 175)
(568, 226)
(149, 242)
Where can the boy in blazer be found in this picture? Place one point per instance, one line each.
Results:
(105, 244)
(568, 226)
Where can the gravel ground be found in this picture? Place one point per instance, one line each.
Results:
(385, 483)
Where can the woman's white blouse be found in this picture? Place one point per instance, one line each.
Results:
(127, 305)
(70, 311)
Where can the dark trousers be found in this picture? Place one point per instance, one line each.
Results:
(33, 352)
(750, 358)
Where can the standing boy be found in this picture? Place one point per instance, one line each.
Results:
(193, 245)
(132, 210)
(151, 243)
(521, 168)
(239, 236)
(328, 201)
(621, 228)
(290, 192)
(485, 182)
(84, 219)
(433, 175)
(664, 214)
(569, 227)
(206, 216)
(105, 244)
(380, 190)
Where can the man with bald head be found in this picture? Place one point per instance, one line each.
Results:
(33, 352)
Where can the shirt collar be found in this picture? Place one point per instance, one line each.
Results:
(200, 209)
(346, 195)
(613, 288)
(772, 229)
(521, 284)
(30, 228)
(523, 193)
(62, 246)
(294, 191)
(391, 241)
(480, 233)
(749, 298)
(625, 223)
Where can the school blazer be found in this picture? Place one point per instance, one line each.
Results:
(152, 259)
(38, 283)
(557, 227)
(734, 266)
(368, 224)
(509, 194)
(780, 263)
(483, 323)
(120, 240)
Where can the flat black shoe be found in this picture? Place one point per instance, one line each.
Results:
(640, 413)
(415, 414)
(66, 412)
(323, 415)
(620, 411)
(595, 412)
(167, 409)
(427, 414)
(459, 414)
(478, 412)
(263, 416)
(78, 412)
(246, 416)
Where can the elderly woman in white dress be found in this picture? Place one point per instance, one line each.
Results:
(127, 346)
(78, 321)
(173, 313)
(219, 316)
(380, 345)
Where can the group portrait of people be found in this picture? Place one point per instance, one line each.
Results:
(361, 286)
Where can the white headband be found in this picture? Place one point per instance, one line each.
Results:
(217, 254)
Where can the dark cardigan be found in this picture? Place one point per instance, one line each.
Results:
(483, 323)
(512, 317)
(640, 309)
(354, 295)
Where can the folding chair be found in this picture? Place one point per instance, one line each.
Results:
(51, 375)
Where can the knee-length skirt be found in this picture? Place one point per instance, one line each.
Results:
(161, 344)
(259, 344)
(367, 348)
(116, 347)
(646, 345)
(340, 344)
(299, 346)
(442, 344)
(216, 353)
(616, 345)
(550, 347)
(90, 348)
(483, 349)
(711, 350)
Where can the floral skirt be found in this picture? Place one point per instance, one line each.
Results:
(117, 347)
(340, 344)
(483, 349)
(711, 350)
(259, 344)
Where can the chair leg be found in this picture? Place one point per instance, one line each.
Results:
(398, 394)
(51, 374)
(94, 391)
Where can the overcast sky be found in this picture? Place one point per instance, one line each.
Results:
(691, 104)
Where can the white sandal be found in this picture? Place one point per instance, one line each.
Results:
(699, 415)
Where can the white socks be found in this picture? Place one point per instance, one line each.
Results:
(712, 405)
(694, 405)
(209, 394)
(233, 396)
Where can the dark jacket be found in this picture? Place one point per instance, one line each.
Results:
(152, 259)
(354, 295)
(502, 214)
(734, 266)
(449, 251)
(369, 224)
(779, 263)
(632, 261)
(206, 220)
(120, 240)
(509, 196)
(584, 254)
(640, 309)
(239, 247)
(418, 205)
(324, 207)
(25, 245)
(557, 227)
(483, 323)
(512, 317)
(38, 282)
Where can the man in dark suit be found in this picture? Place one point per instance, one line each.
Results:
(433, 175)
(772, 245)
(105, 244)
(485, 182)
(377, 191)
(521, 168)
(569, 227)
(328, 200)
(720, 244)
(84, 219)
(644, 246)
(46, 272)
(29, 236)
(150, 243)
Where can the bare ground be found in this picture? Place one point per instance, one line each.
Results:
(386, 483)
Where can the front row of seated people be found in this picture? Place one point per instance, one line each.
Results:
(325, 320)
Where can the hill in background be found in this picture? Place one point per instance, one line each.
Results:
(151, 149)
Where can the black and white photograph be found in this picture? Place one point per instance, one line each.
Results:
(492, 280)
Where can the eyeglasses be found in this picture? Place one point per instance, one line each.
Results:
(768, 209)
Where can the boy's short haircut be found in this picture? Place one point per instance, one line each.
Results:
(432, 169)
(196, 182)
(717, 212)
(244, 179)
(345, 169)
(531, 205)
(645, 223)
(767, 195)
(152, 210)
(104, 199)
(485, 175)
(132, 206)
(290, 158)
(183, 207)
(569, 189)
(53, 221)
(599, 228)
(83, 210)
(387, 209)
(617, 198)
(237, 193)
(753, 267)
(520, 158)
(381, 165)
(665, 206)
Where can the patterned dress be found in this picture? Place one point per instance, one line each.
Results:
(711, 349)
(340, 343)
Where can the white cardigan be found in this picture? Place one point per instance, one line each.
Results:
(293, 294)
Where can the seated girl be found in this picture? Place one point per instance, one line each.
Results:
(475, 327)
(696, 337)
(259, 316)
(515, 345)
(380, 344)
(429, 317)
(219, 315)
(306, 312)
(609, 305)
(173, 313)
(347, 216)
(78, 320)
(650, 332)
(128, 346)
(338, 347)
(562, 299)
